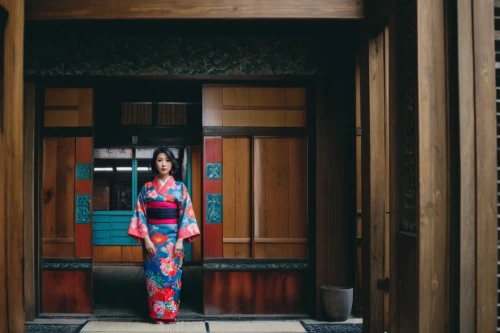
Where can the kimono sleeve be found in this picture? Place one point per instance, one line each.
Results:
(138, 228)
(188, 228)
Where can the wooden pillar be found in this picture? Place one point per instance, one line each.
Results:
(11, 172)
(373, 105)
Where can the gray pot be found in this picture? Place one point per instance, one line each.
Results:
(337, 302)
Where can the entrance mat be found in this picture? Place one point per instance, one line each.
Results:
(255, 326)
(113, 326)
(334, 328)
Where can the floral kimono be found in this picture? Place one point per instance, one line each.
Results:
(165, 213)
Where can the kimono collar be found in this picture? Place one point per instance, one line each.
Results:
(163, 189)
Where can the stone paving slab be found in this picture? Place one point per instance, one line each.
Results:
(255, 326)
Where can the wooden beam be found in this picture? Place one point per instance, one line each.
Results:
(11, 172)
(467, 130)
(29, 204)
(192, 9)
(486, 159)
(433, 153)
(373, 178)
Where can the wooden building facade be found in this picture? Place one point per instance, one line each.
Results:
(354, 147)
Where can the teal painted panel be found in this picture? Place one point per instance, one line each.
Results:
(122, 241)
(102, 234)
(121, 219)
(101, 219)
(112, 212)
(188, 252)
(101, 226)
(120, 226)
(120, 233)
(104, 241)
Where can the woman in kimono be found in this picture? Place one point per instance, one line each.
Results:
(163, 221)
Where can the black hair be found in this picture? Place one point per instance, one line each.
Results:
(170, 156)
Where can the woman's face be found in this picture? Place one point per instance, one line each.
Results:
(163, 165)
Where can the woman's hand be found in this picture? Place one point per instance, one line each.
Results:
(178, 247)
(150, 247)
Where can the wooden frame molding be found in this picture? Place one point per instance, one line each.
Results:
(193, 9)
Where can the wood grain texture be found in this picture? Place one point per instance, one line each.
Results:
(229, 195)
(84, 150)
(192, 9)
(373, 175)
(196, 167)
(112, 253)
(466, 92)
(433, 153)
(86, 107)
(58, 250)
(487, 256)
(62, 97)
(243, 199)
(58, 219)
(257, 292)
(29, 204)
(132, 254)
(212, 106)
(66, 291)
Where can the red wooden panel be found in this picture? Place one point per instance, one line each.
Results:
(212, 241)
(84, 148)
(255, 292)
(66, 291)
(83, 187)
(213, 186)
(83, 240)
(208, 152)
(217, 146)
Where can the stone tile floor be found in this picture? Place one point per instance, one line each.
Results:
(309, 327)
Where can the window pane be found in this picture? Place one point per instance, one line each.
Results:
(113, 179)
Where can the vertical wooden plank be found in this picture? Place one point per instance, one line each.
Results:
(277, 176)
(467, 125)
(242, 195)
(49, 183)
(97, 253)
(387, 138)
(112, 253)
(212, 106)
(297, 194)
(65, 188)
(321, 192)
(433, 196)
(132, 254)
(229, 195)
(29, 206)
(84, 149)
(486, 265)
(86, 102)
(196, 166)
(373, 179)
(259, 194)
